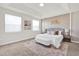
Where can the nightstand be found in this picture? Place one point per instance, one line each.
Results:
(67, 38)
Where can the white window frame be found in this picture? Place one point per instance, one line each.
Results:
(12, 23)
(35, 25)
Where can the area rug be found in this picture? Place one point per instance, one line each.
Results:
(31, 48)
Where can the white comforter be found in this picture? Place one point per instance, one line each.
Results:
(48, 39)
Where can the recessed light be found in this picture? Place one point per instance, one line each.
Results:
(41, 4)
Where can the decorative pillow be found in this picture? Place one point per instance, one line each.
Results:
(56, 32)
(60, 33)
(48, 32)
(53, 32)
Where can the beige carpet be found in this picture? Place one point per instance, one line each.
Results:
(30, 48)
(73, 49)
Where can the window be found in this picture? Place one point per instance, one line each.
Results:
(12, 23)
(35, 25)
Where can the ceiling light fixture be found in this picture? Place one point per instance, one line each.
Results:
(41, 4)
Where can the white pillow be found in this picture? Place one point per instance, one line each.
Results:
(59, 32)
(48, 32)
(52, 32)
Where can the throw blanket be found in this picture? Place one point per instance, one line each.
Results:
(48, 39)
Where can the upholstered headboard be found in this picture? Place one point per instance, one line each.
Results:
(55, 29)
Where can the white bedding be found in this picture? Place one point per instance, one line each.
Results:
(48, 39)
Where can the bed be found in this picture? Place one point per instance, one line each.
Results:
(50, 38)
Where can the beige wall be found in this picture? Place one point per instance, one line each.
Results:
(65, 21)
(62, 20)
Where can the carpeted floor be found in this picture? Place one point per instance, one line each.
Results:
(31, 48)
(73, 49)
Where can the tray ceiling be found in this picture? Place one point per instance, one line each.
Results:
(48, 10)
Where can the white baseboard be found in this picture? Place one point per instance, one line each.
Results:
(75, 41)
(13, 41)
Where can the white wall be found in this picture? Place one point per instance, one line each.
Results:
(75, 26)
(2, 17)
(17, 36)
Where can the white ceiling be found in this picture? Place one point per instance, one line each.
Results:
(49, 9)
